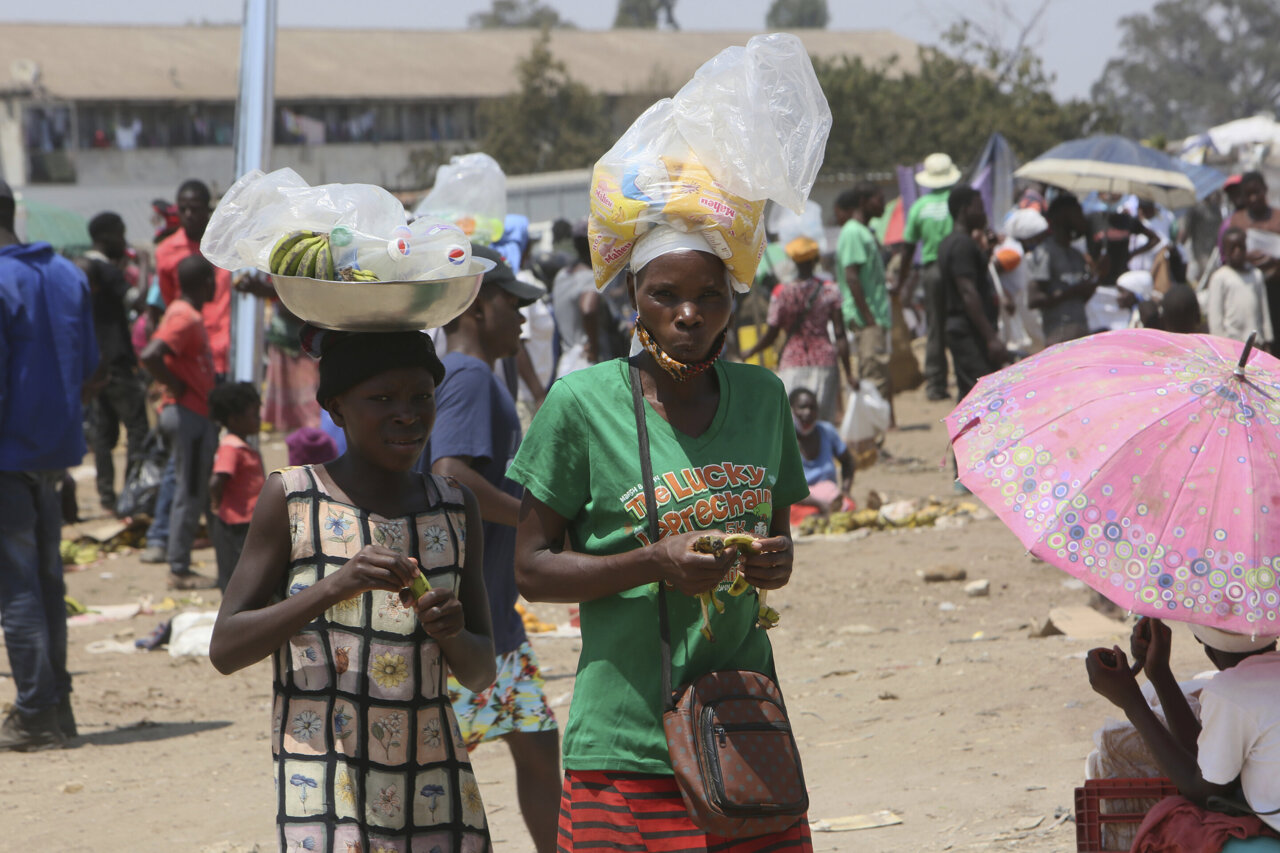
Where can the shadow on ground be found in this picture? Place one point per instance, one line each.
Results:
(145, 731)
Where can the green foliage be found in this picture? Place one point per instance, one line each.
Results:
(553, 122)
(797, 14)
(881, 118)
(1191, 64)
(531, 14)
(643, 14)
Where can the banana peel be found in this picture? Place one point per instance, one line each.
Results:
(767, 616)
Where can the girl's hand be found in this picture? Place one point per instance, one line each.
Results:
(688, 570)
(373, 567)
(439, 611)
(1150, 643)
(1111, 677)
(770, 566)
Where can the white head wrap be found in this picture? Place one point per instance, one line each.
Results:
(1026, 223)
(1227, 641)
(663, 240)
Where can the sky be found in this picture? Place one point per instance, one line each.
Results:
(1075, 37)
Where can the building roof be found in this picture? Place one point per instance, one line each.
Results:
(201, 63)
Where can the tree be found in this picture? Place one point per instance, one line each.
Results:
(1191, 64)
(643, 14)
(518, 14)
(881, 118)
(553, 122)
(797, 14)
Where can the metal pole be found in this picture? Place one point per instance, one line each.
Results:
(255, 123)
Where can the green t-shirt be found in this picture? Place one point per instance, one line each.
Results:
(857, 247)
(580, 457)
(928, 223)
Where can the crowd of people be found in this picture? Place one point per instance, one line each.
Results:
(499, 457)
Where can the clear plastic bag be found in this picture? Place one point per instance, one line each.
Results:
(367, 228)
(866, 415)
(757, 117)
(750, 126)
(471, 192)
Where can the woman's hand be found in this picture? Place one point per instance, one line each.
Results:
(439, 611)
(770, 566)
(373, 567)
(690, 571)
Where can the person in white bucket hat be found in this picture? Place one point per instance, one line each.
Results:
(1229, 759)
(928, 223)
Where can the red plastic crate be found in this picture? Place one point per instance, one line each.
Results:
(1093, 818)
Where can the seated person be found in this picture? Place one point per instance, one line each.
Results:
(1226, 765)
(820, 449)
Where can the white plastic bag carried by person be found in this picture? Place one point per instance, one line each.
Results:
(367, 228)
(866, 415)
(750, 126)
(471, 192)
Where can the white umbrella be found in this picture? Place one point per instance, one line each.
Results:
(1113, 164)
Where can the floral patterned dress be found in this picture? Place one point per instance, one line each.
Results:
(368, 756)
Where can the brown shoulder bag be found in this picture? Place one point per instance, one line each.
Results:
(734, 756)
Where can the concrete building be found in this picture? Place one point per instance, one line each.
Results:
(98, 117)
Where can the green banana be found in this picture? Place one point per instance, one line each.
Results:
(324, 262)
(282, 247)
(353, 274)
(293, 258)
(307, 266)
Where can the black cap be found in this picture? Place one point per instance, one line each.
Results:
(503, 277)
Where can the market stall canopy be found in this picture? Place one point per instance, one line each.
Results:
(1224, 138)
(1114, 164)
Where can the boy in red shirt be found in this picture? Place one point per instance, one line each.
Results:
(238, 475)
(179, 357)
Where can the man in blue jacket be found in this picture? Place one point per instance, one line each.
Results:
(48, 353)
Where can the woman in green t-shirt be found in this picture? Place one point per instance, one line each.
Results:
(725, 458)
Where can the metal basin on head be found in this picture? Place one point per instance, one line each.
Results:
(381, 306)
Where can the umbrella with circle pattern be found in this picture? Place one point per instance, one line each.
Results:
(1143, 463)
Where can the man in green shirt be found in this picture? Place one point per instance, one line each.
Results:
(860, 272)
(928, 223)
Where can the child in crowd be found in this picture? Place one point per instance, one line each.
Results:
(367, 750)
(237, 472)
(1238, 304)
(179, 358)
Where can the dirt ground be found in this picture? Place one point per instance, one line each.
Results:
(906, 696)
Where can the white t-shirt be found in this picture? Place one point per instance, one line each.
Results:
(1238, 304)
(1240, 731)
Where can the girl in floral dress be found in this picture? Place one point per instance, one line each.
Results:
(367, 751)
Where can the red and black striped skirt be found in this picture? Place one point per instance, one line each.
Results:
(643, 813)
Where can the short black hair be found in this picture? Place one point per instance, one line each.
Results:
(561, 229)
(1254, 177)
(104, 225)
(192, 270)
(197, 188)
(231, 398)
(852, 199)
(1180, 309)
(1234, 231)
(796, 392)
(8, 212)
(960, 199)
(1060, 204)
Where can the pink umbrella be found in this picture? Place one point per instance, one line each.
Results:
(1143, 463)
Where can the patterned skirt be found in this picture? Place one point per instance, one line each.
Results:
(643, 812)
